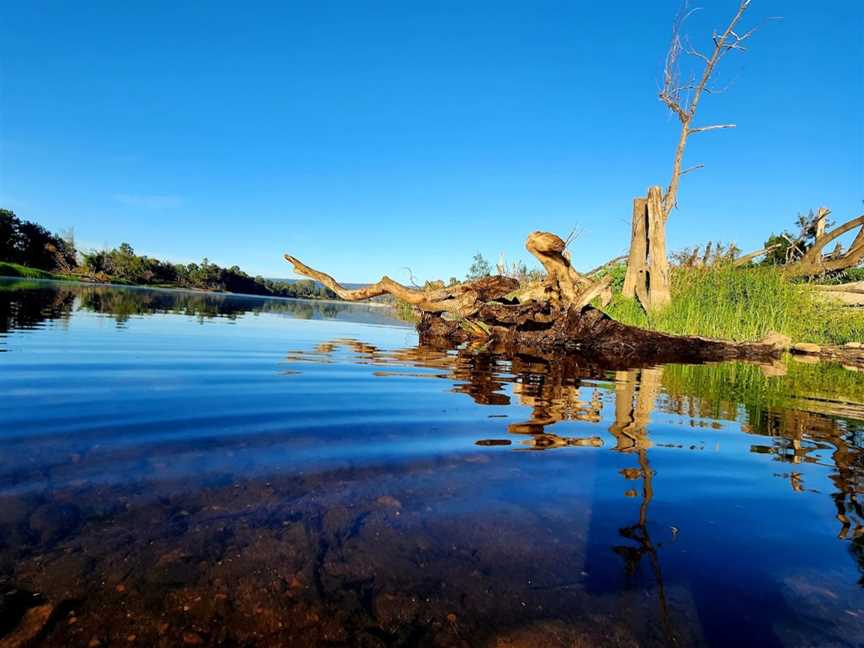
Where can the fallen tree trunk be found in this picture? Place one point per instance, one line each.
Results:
(550, 315)
(850, 294)
(815, 262)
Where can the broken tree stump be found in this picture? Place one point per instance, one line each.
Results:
(647, 275)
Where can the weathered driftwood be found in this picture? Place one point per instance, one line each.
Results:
(850, 294)
(815, 262)
(553, 314)
(744, 259)
(562, 288)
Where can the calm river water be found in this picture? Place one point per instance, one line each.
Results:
(182, 469)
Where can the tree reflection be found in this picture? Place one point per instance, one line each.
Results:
(796, 412)
(28, 309)
(29, 304)
(636, 392)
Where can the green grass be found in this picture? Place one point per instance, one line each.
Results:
(744, 304)
(405, 312)
(14, 270)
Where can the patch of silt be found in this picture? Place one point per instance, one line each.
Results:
(353, 557)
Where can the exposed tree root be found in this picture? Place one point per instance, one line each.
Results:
(591, 333)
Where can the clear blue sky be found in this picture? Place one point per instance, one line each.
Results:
(365, 136)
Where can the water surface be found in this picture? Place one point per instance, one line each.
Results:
(221, 470)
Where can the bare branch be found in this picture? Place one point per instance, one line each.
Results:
(575, 233)
(410, 276)
(673, 105)
(702, 129)
(718, 90)
(695, 167)
(672, 88)
(692, 51)
(747, 258)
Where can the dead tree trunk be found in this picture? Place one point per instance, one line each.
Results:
(647, 275)
(637, 261)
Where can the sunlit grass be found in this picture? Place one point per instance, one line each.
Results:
(744, 304)
(15, 270)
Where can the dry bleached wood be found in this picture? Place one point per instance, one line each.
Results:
(850, 294)
(747, 258)
(685, 107)
(647, 273)
(814, 262)
(554, 314)
(659, 294)
(562, 289)
(638, 258)
(460, 299)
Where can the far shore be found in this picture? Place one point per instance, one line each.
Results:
(82, 282)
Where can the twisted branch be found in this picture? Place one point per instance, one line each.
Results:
(562, 289)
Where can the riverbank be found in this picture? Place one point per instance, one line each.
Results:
(742, 304)
(15, 270)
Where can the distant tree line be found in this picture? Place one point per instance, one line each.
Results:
(29, 244)
(121, 263)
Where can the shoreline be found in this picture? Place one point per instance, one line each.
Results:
(200, 291)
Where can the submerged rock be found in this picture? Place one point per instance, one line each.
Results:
(34, 621)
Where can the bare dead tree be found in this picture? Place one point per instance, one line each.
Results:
(682, 98)
(647, 273)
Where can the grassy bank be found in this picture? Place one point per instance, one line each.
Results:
(743, 304)
(14, 270)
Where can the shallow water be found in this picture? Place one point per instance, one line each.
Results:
(178, 468)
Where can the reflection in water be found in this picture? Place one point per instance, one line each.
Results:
(207, 489)
(30, 308)
(38, 302)
(799, 418)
